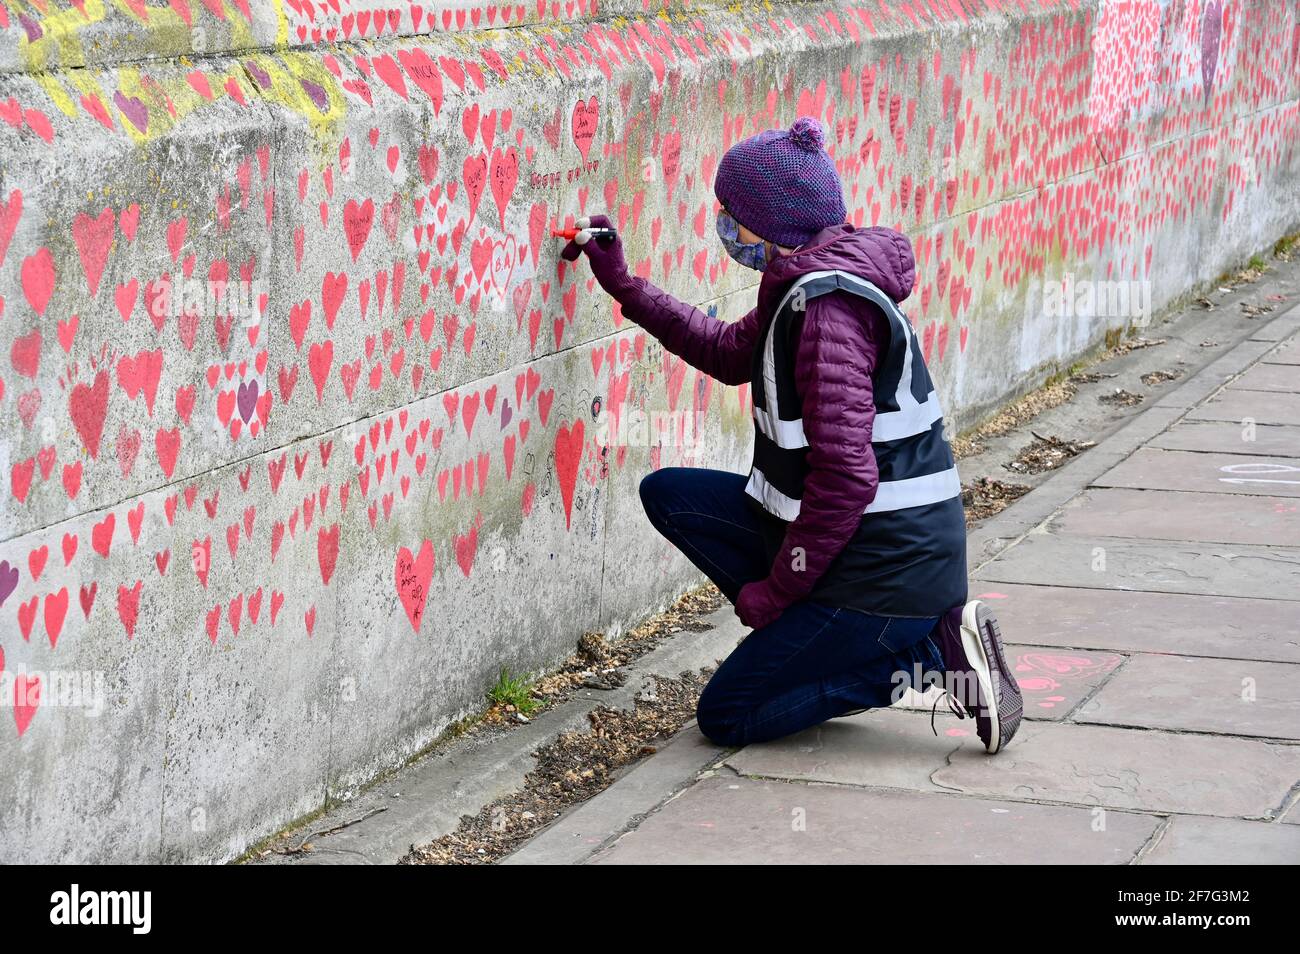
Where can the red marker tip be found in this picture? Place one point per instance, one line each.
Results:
(595, 231)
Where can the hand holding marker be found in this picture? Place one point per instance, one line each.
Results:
(605, 255)
(585, 232)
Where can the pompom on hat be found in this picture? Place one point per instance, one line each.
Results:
(781, 184)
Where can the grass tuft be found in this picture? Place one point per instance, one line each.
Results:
(513, 691)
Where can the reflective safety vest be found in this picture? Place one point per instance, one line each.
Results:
(914, 461)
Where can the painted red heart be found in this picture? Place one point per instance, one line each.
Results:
(413, 575)
(568, 454)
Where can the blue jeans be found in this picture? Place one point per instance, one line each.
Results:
(814, 662)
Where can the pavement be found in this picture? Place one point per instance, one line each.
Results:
(1150, 595)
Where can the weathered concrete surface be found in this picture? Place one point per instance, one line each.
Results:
(1268, 440)
(1285, 327)
(1075, 617)
(1192, 840)
(1049, 761)
(1164, 515)
(1288, 353)
(1117, 563)
(742, 821)
(299, 530)
(1243, 406)
(1242, 697)
(1268, 377)
(1154, 469)
(889, 749)
(94, 34)
(1117, 768)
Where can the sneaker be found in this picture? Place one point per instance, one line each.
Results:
(971, 644)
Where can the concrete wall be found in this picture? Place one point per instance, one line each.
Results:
(253, 552)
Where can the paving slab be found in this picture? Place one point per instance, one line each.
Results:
(888, 748)
(1229, 437)
(1269, 377)
(744, 821)
(1194, 840)
(1288, 352)
(1052, 680)
(1078, 618)
(1229, 405)
(1241, 697)
(1209, 379)
(1155, 469)
(1204, 569)
(1131, 769)
(1283, 326)
(1181, 515)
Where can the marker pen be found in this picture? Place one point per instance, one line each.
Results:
(595, 231)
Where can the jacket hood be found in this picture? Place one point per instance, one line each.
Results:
(882, 256)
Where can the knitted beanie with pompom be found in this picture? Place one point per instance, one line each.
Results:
(781, 184)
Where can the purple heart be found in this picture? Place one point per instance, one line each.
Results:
(262, 76)
(134, 109)
(34, 31)
(316, 92)
(8, 580)
(1211, 33)
(506, 413)
(247, 399)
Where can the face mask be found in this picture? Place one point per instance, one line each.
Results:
(750, 254)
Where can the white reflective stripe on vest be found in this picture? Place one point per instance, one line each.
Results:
(785, 434)
(916, 491)
(773, 501)
(912, 417)
(890, 494)
(770, 407)
(887, 426)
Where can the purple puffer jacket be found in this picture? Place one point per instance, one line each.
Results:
(837, 353)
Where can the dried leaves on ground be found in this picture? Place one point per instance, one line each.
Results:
(1046, 453)
(1252, 310)
(1091, 377)
(1133, 344)
(1120, 398)
(1160, 377)
(569, 770)
(1018, 413)
(987, 496)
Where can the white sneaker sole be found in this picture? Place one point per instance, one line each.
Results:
(973, 645)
